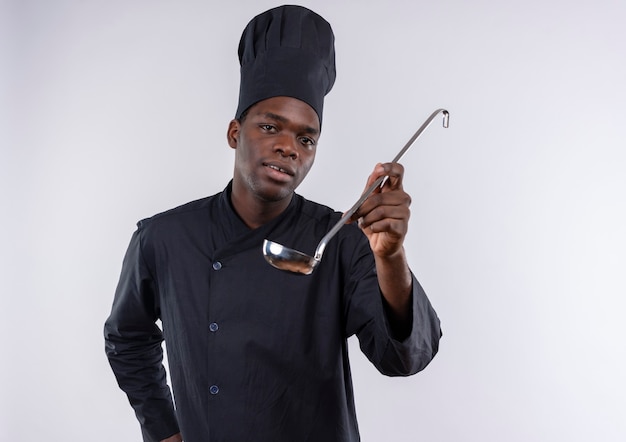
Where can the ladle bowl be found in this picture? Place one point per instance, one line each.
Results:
(294, 261)
(288, 259)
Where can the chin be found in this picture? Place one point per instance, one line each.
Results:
(274, 197)
(271, 192)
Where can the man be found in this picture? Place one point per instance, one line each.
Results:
(256, 353)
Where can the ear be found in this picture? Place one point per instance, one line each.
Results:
(232, 135)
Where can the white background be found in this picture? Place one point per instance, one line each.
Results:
(112, 111)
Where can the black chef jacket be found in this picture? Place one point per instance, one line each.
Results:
(255, 353)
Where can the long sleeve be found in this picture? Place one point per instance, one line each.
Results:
(367, 318)
(133, 346)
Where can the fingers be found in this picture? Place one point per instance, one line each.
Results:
(389, 201)
(385, 212)
(394, 173)
(384, 216)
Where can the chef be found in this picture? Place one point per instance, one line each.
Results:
(256, 353)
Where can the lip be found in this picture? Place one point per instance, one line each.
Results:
(280, 168)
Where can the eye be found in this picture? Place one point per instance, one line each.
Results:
(307, 141)
(268, 127)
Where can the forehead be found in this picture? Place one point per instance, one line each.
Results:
(287, 109)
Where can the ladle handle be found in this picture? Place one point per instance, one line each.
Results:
(346, 216)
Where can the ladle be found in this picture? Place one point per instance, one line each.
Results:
(284, 258)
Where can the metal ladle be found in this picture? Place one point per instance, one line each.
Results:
(291, 260)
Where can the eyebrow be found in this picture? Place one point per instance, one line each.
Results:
(306, 129)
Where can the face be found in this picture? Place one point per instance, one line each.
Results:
(275, 148)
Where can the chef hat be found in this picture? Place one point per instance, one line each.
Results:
(286, 51)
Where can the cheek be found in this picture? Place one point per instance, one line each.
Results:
(306, 166)
(309, 161)
(243, 154)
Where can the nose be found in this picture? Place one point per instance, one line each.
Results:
(286, 147)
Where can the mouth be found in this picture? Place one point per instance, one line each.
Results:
(279, 169)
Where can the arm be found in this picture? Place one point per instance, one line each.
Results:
(133, 346)
(384, 218)
(398, 329)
